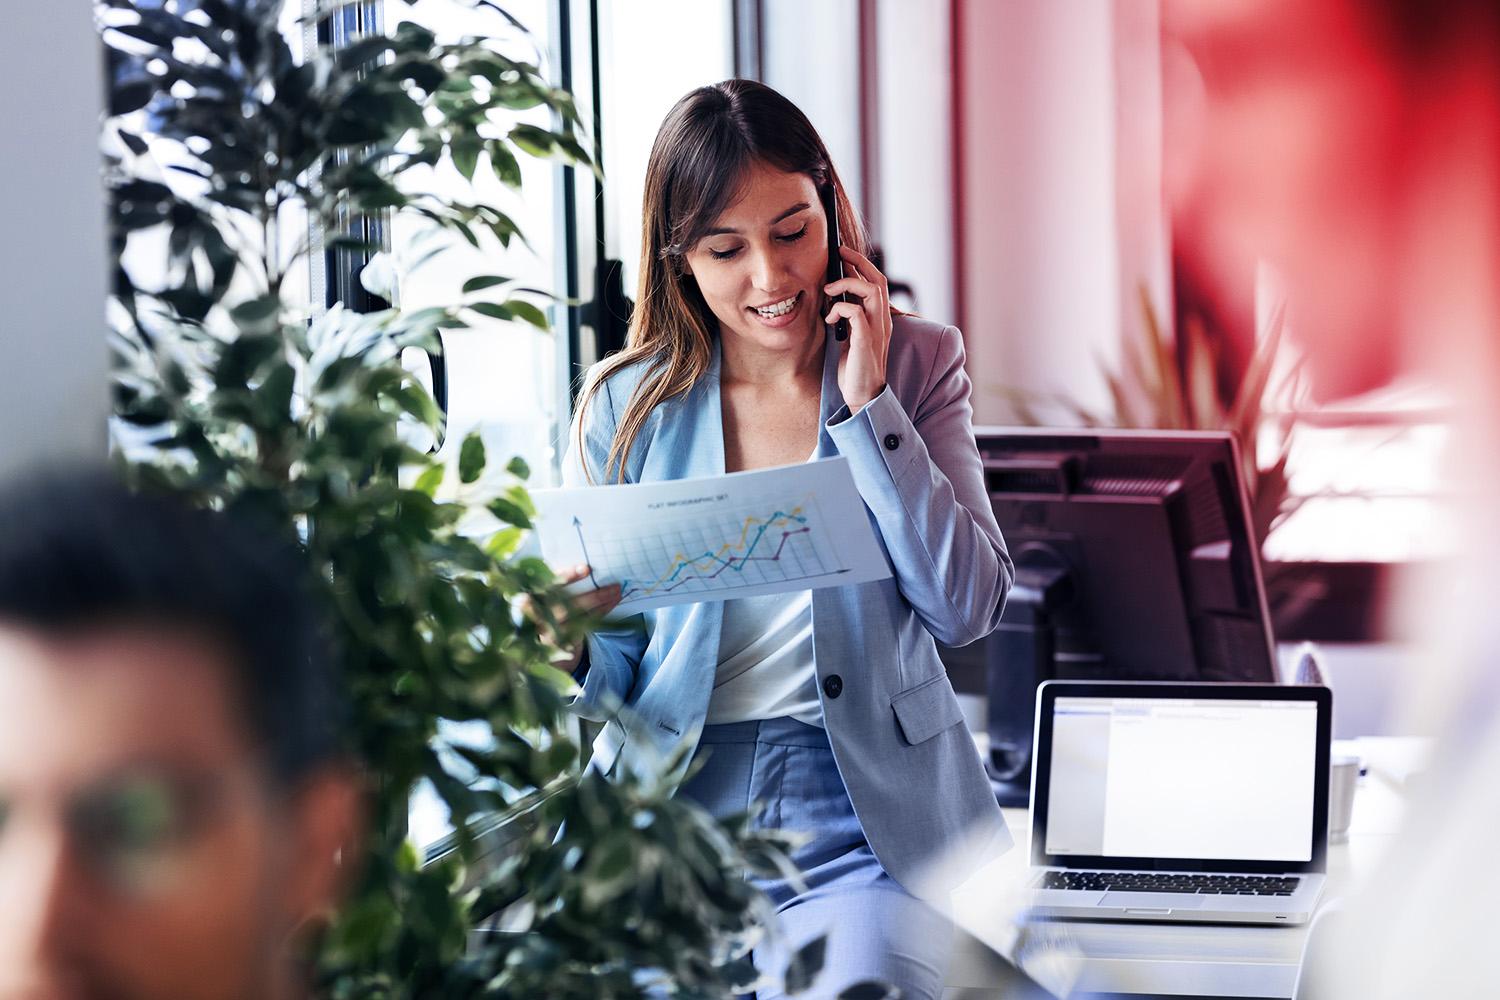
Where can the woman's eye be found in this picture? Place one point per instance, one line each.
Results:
(788, 238)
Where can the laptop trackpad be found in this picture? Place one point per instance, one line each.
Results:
(1152, 900)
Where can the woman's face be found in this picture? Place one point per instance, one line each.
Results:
(761, 267)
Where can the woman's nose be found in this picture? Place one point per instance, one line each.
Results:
(767, 272)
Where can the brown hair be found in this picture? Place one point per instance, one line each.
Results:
(697, 168)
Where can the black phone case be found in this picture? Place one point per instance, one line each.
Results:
(835, 260)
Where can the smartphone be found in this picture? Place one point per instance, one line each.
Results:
(835, 259)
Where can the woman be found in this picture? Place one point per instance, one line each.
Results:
(829, 706)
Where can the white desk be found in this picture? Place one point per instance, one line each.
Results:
(1160, 959)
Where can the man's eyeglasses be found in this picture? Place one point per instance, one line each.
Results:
(131, 831)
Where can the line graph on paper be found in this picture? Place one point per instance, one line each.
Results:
(729, 536)
(725, 551)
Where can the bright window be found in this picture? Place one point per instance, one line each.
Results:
(651, 53)
(1368, 479)
(501, 374)
(503, 377)
(506, 379)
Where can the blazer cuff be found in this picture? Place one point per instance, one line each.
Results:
(880, 435)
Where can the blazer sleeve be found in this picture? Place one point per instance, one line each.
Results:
(612, 654)
(921, 477)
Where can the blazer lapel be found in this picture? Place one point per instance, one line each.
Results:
(697, 626)
(703, 418)
(829, 604)
(832, 399)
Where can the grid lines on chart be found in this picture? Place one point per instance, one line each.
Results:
(766, 543)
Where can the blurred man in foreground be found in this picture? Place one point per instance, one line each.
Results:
(173, 800)
(1356, 143)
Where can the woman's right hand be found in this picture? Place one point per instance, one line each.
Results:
(600, 601)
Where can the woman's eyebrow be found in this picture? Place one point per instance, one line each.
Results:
(799, 207)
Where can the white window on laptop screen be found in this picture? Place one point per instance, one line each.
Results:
(1208, 779)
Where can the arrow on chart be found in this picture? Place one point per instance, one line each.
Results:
(578, 527)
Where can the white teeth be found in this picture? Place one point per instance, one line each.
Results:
(778, 309)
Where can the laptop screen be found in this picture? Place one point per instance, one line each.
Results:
(1210, 779)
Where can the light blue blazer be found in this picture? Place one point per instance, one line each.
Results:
(913, 774)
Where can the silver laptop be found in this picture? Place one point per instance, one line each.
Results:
(1190, 802)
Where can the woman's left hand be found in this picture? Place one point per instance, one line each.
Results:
(862, 366)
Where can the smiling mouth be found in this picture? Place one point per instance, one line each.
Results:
(776, 308)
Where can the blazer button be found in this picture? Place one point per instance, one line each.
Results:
(833, 685)
(892, 442)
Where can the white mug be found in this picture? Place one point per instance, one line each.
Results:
(1343, 777)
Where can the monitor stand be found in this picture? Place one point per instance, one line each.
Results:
(1018, 657)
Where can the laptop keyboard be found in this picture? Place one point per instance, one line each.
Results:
(1223, 885)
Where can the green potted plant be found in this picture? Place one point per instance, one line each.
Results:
(231, 391)
(1175, 385)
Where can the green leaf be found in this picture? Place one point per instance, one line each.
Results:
(133, 142)
(413, 36)
(274, 397)
(1173, 396)
(241, 359)
(536, 141)
(494, 310)
(576, 153)
(510, 512)
(616, 859)
(428, 76)
(484, 281)
(530, 313)
(256, 312)
(517, 495)
(139, 190)
(413, 399)
(519, 468)
(503, 543)
(465, 230)
(504, 163)
(429, 481)
(378, 277)
(805, 965)
(425, 320)
(471, 458)
(465, 152)
(1205, 412)
(1120, 396)
(1245, 413)
(355, 54)
(130, 96)
(145, 33)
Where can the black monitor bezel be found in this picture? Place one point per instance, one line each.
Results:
(1041, 762)
(1102, 439)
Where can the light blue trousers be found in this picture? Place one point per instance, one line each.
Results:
(875, 929)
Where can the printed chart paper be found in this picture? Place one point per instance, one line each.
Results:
(770, 531)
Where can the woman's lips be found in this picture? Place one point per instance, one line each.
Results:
(777, 322)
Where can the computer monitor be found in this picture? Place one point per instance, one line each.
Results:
(1135, 560)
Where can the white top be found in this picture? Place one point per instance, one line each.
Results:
(766, 668)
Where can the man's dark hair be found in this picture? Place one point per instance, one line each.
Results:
(78, 549)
